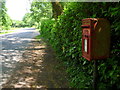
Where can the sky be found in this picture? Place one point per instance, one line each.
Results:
(17, 8)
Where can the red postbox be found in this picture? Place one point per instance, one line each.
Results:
(95, 38)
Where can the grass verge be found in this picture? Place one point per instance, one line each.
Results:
(6, 32)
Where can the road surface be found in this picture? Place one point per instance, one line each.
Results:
(12, 47)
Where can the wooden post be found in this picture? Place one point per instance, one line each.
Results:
(95, 75)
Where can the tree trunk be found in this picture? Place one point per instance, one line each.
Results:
(56, 9)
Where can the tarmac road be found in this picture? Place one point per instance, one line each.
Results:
(12, 47)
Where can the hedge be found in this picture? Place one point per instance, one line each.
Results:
(65, 37)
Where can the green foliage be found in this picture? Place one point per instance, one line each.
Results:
(27, 20)
(18, 24)
(40, 10)
(5, 21)
(46, 28)
(65, 37)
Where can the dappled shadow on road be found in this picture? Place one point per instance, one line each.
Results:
(9, 59)
(12, 46)
(17, 41)
(38, 68)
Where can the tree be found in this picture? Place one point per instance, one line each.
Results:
(56, 9)
(27, 20)
(5, 21)
(17, 23)
(40, 10)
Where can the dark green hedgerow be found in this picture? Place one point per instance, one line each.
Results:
(65, 37)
